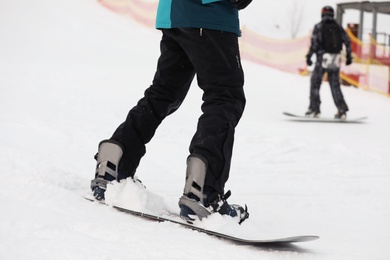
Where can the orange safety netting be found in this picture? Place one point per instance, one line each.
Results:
(141, 11)
(286, 55)
(370, 69)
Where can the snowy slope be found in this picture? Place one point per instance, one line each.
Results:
(71, 70)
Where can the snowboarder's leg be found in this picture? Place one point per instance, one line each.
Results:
(108, 157)
(170, 85)
(200, 201)
(338, 98)
(217, 63)
(315, 84)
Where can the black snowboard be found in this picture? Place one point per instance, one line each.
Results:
(174, 218)
(295, 117)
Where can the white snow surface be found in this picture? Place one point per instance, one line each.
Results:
(71, 70)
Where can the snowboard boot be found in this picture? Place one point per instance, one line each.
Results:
(313, 113)
(341, 114)
(200, 201)
(108, 157)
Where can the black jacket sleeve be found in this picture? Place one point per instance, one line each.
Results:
(315, 40)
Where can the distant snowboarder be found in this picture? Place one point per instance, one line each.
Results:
(326, 42)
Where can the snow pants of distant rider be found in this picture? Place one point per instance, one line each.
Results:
(334, 82)
(214, 57)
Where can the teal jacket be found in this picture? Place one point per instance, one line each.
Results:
(209, 14)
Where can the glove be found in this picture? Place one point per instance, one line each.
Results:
(240, 4)
(308, 60)
(349, 60)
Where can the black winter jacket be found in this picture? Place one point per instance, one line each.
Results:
(316, 39)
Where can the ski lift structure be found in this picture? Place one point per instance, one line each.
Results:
(379, 49)
(371, 68)
(372, 7)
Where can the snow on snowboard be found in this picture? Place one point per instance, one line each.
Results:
(303, 118)
(175, 218)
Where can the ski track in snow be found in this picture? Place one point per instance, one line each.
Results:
(71, 70)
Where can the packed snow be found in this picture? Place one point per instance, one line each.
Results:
(71, 70)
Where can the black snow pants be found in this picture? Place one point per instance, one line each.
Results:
(214, 57)
(334, 82)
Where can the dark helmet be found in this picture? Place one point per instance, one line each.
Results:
(327, 11)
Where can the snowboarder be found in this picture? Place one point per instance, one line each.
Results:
(326, 42)
(199, 37)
